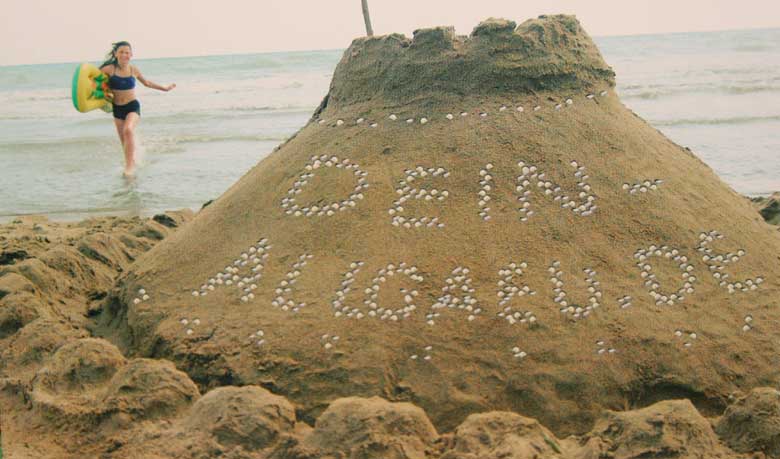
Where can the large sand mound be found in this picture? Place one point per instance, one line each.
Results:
(469, 224)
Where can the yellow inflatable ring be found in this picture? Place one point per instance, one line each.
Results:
(89, 88)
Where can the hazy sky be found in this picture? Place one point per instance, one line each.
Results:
(38, 31)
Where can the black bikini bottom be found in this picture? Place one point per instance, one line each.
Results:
(121, 111)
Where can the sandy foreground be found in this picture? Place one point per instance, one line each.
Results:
(54, 278)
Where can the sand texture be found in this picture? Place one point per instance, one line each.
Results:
(472, 250)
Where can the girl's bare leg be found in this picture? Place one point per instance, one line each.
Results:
(128, 141)
(120, 125)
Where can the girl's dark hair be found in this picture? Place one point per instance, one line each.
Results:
(111, 55)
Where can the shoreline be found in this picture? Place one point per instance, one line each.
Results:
(80, 216)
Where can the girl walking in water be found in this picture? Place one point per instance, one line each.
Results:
(127, 110)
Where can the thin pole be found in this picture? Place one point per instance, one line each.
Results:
(367, 18)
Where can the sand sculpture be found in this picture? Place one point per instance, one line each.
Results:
(468, 223)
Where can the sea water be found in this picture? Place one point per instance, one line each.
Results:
(717, 93)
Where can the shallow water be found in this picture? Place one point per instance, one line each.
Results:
(717, 93)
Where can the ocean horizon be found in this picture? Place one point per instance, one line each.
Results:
(596, 38)
(717, 93)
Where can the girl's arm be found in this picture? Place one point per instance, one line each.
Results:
(109, 70)
(151, 84)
